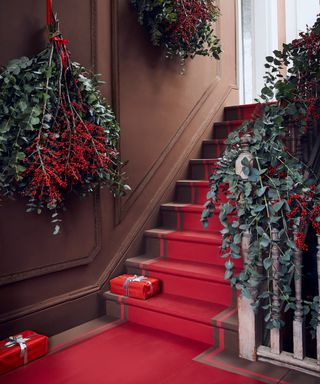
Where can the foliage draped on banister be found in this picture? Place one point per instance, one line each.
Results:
(276, 195)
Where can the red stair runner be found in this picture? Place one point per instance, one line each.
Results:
(196, 302)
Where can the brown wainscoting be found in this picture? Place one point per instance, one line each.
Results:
(168, 184)
(122, 206)
(58, 294)
(55, 315)
(60, 266)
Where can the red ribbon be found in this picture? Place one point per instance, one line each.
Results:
(61, 42)
(49, 12)
(63, 53)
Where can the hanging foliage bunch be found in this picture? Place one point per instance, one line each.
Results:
(277, 197)
(183, 27)
(57, 135)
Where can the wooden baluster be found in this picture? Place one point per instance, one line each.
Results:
(299, 138)
(247, 318)
(318, 325)
(275, 333)
(298, 321)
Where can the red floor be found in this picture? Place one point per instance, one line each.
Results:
(127, 354)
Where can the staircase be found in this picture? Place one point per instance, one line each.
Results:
(196, 302)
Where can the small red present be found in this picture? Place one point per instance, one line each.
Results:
(20, 349)
(139, 287)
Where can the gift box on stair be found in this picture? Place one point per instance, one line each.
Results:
(20, 349)
(139, 287)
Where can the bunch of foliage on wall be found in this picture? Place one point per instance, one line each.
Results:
(57, 135)
(278, 192)
(183, 27)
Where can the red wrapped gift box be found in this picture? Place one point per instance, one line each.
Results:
(139, 287)
(20, 349)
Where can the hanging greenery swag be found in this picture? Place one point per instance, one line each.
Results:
(57, 134)
(185, 28)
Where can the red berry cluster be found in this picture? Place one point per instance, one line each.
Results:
(62, 158)
(190, 14)
(306, 53)
(315, 216)
(299, 209)
(68, 151)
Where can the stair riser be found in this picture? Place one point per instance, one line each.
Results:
(212, 150)
(194, 194)
(239, 113)
(172, 324)
(188, 251)
(201, 171)
(221, 131)
(188, 221)
(210, 291)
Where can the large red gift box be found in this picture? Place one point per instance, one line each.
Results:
(20, 349)
(139, 287)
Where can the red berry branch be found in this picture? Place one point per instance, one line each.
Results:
(60, 136)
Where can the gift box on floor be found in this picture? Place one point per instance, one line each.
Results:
(138, 287)
(21, 349)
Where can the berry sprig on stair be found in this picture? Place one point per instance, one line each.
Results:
(57, 135)
(184, 28)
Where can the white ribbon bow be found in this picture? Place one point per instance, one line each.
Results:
(21, 341)
(135, 278)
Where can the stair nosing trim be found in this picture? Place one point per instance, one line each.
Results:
(200, 240)
(136, 304)
(148, 267)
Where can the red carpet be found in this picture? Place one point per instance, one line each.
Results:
(127, 354)
(187, 259)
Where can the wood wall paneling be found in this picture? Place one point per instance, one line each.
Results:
(163, 115)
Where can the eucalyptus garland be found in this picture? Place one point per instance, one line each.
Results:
(57, 134)
(183, 27)
(279, 192)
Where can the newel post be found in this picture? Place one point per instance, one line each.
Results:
(246, 315)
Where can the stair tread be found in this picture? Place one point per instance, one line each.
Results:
(204, 183)
(198, 208)
(244, 105)
(179, 306)
(229, 122)
(214, 141)
(186, 235)
(191, 269)
(204, 161)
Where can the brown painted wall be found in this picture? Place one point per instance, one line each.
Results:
(51, 283)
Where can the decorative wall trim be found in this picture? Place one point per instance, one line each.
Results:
(115, 86)
(93, 33)
(45, 270)
(115, 70)
(34, 272)
(65, 298)
(121, 254)
(171, 144)
(122, 208)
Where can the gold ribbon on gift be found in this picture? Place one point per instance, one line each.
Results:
(136, 278)
(21, 341)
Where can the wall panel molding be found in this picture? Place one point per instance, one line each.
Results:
(65, 298)
(96, 208)
(122, 206)
(153, 205)
(151, 173)
(82, 260)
